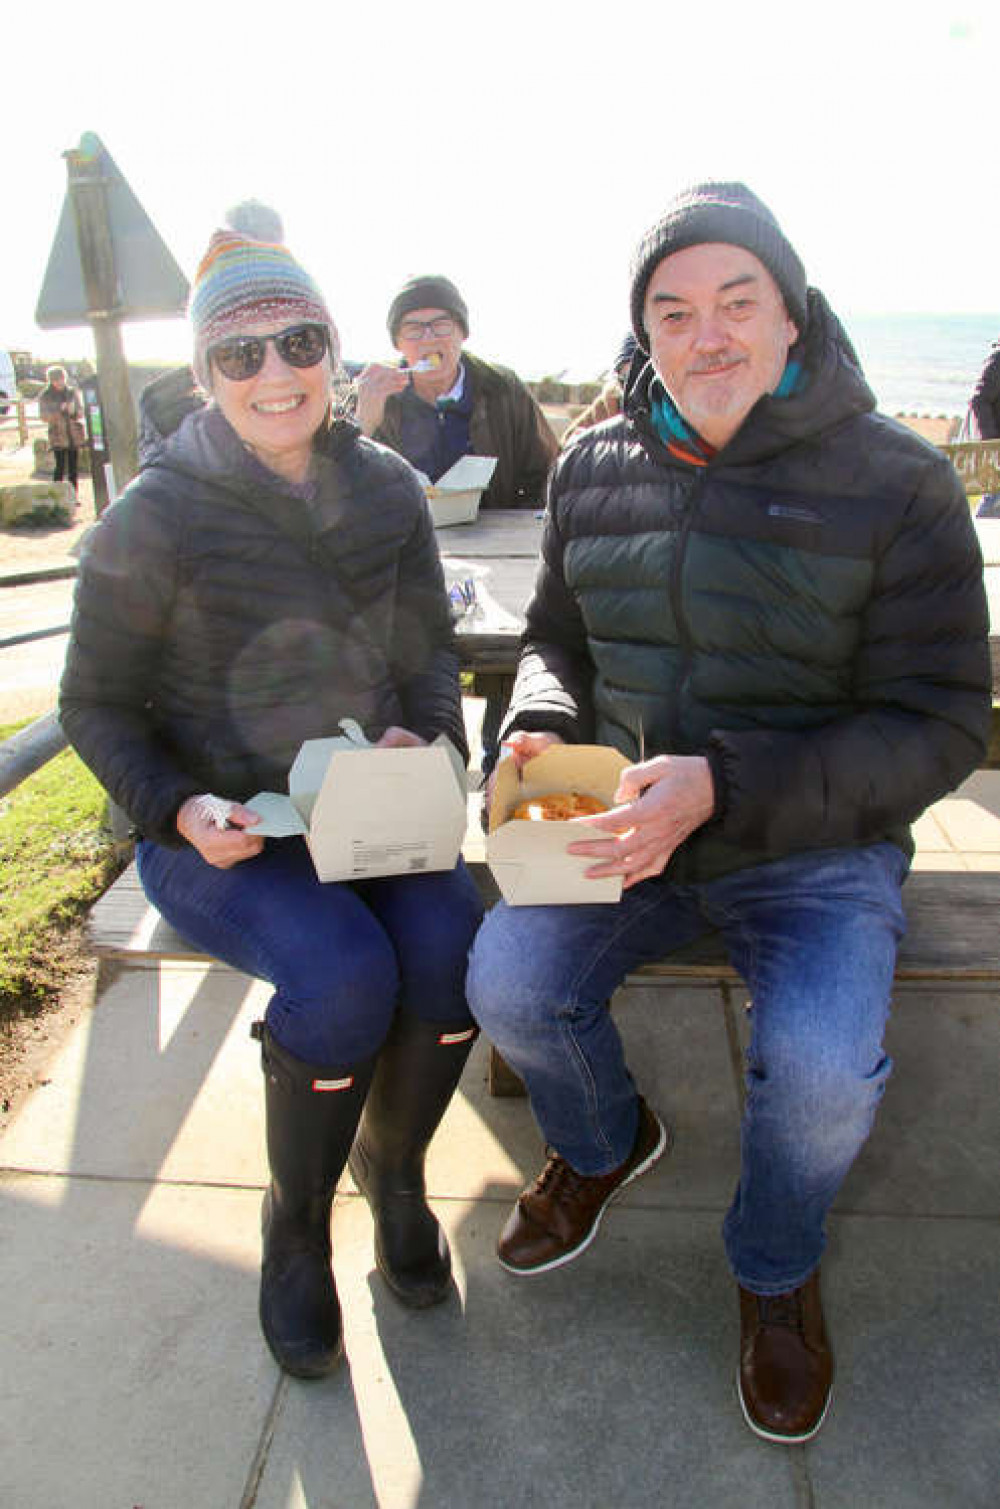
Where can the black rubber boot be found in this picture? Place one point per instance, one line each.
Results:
(312, 1116)
(418, 1067)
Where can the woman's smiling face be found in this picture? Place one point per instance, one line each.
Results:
(278, 411)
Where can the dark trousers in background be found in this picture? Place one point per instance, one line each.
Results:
(67, 464)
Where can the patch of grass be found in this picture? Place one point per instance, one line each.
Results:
(56, 857)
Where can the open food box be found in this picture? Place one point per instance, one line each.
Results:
(365, 811)
(454, 497)
(529, 859)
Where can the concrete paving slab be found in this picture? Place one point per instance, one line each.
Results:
(160, 1080)
(948, 861)
(929, 835)
(934, 1147)
(912, 1308)
(970, 817)
(608, 1381)
(133, 1373)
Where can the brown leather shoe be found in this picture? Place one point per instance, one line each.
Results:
(786, 1366)
(559, 1215)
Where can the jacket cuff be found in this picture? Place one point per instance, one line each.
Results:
(717, 766)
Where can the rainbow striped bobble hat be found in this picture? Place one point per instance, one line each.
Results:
(248, 276)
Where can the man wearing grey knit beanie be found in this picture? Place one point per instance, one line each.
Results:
(440, 402)
(769, 599)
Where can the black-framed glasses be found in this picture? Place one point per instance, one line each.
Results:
(414, 330)
(242, 356)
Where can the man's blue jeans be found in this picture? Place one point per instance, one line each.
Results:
(814, 936)
(342, 958)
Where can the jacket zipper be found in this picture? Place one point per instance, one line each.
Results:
(676, 603)
(658, 452)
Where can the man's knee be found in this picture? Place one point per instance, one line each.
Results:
(819, 1082)
(509, 981)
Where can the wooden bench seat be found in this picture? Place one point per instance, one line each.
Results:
(953, 938)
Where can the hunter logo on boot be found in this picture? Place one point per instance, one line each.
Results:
(334, 1084)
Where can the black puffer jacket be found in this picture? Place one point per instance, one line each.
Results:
(807, 610)
(220, 619)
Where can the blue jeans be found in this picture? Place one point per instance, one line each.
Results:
(814, 936)
(342, 958)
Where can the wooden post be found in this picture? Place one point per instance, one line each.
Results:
(22, 423)
(100, 280)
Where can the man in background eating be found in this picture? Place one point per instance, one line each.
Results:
(443, 403)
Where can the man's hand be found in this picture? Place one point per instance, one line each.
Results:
(521, 747)
(221, 847)
(657, 804)
(375, 384)
(399, 738)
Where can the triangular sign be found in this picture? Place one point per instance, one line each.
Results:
(150, 283)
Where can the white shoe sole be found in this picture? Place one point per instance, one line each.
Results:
(770, 1435)
(663, 1142)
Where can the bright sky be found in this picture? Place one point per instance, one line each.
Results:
(522, 149)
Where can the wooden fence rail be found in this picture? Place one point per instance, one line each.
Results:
(27, 751)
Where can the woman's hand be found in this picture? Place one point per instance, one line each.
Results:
(221, 847)
(658, 804)
(399, 738)
(375, 384)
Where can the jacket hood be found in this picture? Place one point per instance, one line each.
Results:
(833, 389)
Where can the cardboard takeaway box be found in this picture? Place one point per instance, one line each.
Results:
(365, 811)
(454, 498)
(529, 860)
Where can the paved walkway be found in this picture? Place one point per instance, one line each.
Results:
(134, 1374)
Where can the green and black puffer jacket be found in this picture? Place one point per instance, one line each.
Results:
(807, 610)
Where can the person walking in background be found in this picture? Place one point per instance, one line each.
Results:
(772, 599)
(62, 409)
(443, 403)
(269, 573)
(982, 422)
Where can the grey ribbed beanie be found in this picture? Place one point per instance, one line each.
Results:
(727, 212)
(430, 291)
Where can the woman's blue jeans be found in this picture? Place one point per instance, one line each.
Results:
(342, 958)
(815, 938)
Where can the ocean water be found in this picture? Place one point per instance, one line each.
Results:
(923, 363)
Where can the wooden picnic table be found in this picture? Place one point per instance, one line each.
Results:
(499, 553)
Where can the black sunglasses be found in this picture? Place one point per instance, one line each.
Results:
(242, 356)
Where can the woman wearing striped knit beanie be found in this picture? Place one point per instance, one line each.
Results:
(269, 574)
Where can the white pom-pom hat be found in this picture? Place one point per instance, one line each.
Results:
(247, 277)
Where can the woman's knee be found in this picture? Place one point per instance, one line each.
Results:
(340, 1013)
